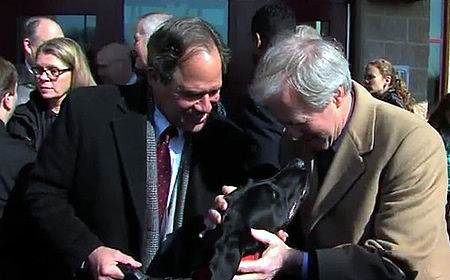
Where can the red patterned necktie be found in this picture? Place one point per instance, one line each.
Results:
(164, 167)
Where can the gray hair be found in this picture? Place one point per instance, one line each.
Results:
(178, 39)
(314, 69)
(151, 22)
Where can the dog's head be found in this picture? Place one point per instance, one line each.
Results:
(271, 203)
(267, 204)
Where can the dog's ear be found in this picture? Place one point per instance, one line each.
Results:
(236, 194)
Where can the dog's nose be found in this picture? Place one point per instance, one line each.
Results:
(297, 163)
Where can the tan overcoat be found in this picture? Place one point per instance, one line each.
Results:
(385, 189)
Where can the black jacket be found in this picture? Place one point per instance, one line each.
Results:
(32, 121)
(15, 155)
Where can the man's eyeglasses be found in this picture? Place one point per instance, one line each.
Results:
(52, 73)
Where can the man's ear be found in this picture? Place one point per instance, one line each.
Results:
(8, 101)
(27, 46)
(339, 95)
(257, 40)
(152, 75)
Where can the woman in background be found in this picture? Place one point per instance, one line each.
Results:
(60, 67)
(382, 82)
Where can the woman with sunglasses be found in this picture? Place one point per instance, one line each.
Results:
(60, 67)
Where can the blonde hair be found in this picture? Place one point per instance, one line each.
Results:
(71, 54)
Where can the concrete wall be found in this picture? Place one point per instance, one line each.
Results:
(396, 30)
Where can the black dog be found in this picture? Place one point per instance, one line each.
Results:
(268, 204)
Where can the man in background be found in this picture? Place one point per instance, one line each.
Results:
(145, 27)
(15, 153)
(270, 23)
(114, 65)
(36, 30)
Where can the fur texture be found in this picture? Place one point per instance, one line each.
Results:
(268, 204)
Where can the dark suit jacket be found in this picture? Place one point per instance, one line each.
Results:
(88, 184)
(15, 155)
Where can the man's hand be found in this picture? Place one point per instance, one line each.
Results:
(277, 256)
(102, 263)
(214, 217)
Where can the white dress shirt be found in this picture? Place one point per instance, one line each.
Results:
(176, 145)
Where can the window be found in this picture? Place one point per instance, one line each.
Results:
(436, 55)
(81, 28)
(214, 12)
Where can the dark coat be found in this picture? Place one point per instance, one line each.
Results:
(392, 97)
(32, 121)
(88, 184)
(15, 155)
(265, 131)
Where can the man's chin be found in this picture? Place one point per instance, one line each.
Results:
(197, 127)
(194, 124)
(192, 127)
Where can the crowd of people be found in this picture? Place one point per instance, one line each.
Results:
(135, 170)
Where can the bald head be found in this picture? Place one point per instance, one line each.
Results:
(37, 30)
(146, 26)
(114, 64)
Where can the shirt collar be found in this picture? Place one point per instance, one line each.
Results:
(28, 66)
(132, 80)
(161, 123)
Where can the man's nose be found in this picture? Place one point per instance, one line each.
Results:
(205, 104)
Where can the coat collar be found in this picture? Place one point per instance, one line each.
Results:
(129, 130)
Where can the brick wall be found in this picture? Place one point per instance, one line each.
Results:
(397, 30)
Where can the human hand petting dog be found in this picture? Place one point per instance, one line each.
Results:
(275, 258)
(103, 261)
(213, 218)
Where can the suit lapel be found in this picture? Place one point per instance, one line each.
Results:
(129, 130)
(348, 164)
(182, 183)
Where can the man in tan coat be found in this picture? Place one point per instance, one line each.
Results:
(378, 180)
